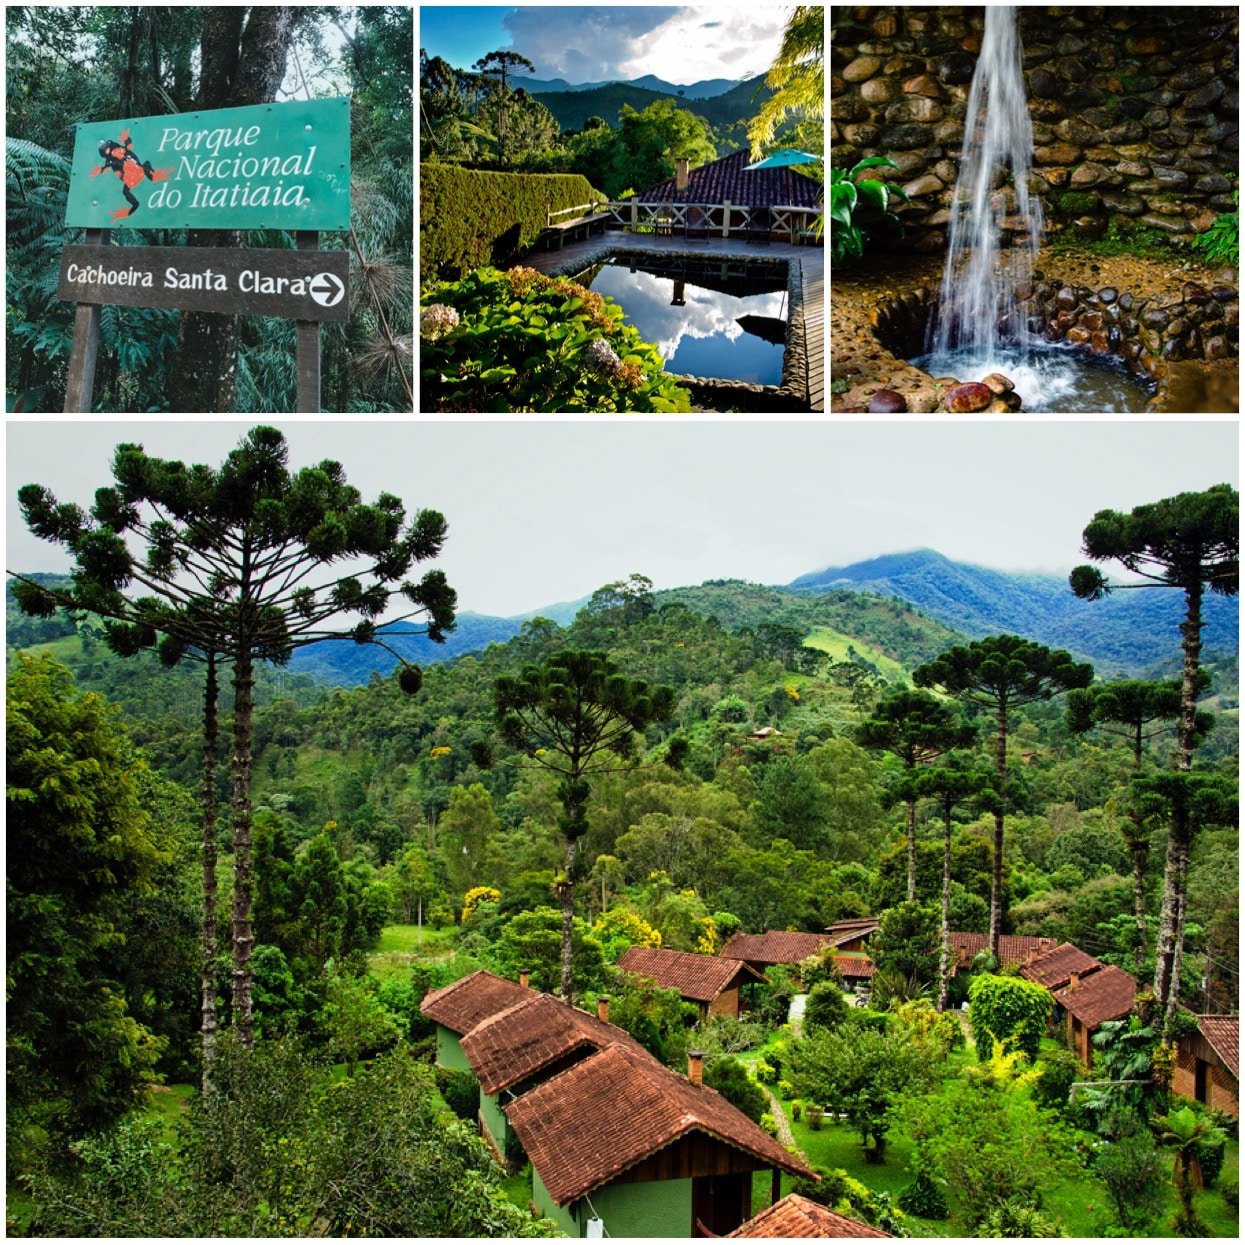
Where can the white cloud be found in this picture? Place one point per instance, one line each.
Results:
(689, 48)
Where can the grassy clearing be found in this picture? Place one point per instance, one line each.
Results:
(168, 1103)
(401, 946)
(836, 644)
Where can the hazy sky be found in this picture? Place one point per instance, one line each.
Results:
(605, 42)
(546, 511)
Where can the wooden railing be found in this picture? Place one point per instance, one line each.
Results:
(580, 210)
(713, 219)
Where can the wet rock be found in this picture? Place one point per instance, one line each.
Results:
(1190, 78)
(1054, 177)
(1130, 351)
(1066, 298)
(1156, 118)
(924, 84)
(949, 133)
(1152, 339)
(1126, 132)
(1217, 347)
(1078, 335)
(956, 69)
(1107, 294)
(1232, 313)
(880, 90)
(1213, 311)
(1125, 205)
(863, 135)
(1212, 184)
(1194, 293)
(1205, 96)
(907, 164)
(998, 407)
(1128, 326)
(1155, 318)
(848, 108)
(1099, 343)
(1074, 130)
(1170, 224)
(887, 402)
(996, 382)
(1059, 153)
(1145, 45)
(1064, 321)
(1170, 178)
(966, 398)
(1224, 293)
(1091, 320)
(1162, 98)
(1126, 301)
(905, 137)
(1173, 351)
(861, 68)
(1176, 328)
(1044, 84)
(1132, 108)
(914, 108)
(1088, 174)
(1133, 168)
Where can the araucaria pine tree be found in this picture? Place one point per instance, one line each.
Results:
(577, 715)
(1002, 673)
(248, 562)
(1189, 542)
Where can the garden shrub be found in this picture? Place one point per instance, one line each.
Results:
(730, 1078)
(1136, 1177)
(728, 1035)
(1230, 1191)
(924, 1197)
(768, 1124)
(1010, 1010)
(522, 341)
(461, 1091)
(826, 1008)
(469, 218)
(1018, 1219)
(785, 1089)
(1060, 1071)
(765, 1072)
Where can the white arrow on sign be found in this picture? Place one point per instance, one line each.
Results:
(326, 289)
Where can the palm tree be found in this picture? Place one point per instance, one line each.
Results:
(798, 75)
(1186, 1133)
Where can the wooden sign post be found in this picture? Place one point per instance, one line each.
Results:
(271, 166)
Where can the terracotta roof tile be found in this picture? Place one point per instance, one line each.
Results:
(533, 1034)
(698, 977)
(1054, 969)
(726, 181)
(462, 1004)
(859, 926)
(1107, 994)
(1224, 1034)
(1013, 948)
(600, 1117)
(779, 946)
(852, 965)
(796, 1216)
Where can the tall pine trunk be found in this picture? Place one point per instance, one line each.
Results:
(207, 941)
(1171, 922)
(996, 881)
(568, 916)
(911, 850)
(243, 939)
(1141, 857)
(944, 933)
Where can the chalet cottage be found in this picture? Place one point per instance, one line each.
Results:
(711, 982)
(1207, 1064)
(1107, 993)
(619, 1144)
(797, 1216)
(779, 946)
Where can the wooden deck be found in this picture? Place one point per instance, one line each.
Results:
(811, 260)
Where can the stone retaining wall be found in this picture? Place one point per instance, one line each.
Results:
(1134, 111)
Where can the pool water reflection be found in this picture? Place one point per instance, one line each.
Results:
(716, 318)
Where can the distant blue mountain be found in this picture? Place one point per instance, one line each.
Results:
(707, 89)
(1128, 631)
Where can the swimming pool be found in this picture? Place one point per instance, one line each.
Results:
(723, 318)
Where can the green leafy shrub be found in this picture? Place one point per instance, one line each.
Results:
(846, 193)
(1060, 1071)
(765, 1072)
(826, 1008)
(1010, 1010)
(924, 1197)
(1017, 1219)
(785, 1089)
(461, 1091)
(522, 341)
(1230, 1191)
(469, 218)
(768, 1124)
(1136, 1178)
(730, 1078)
(1221, 242)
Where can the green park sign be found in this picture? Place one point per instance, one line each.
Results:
(270, 166)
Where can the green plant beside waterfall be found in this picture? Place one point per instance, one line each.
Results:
(1221, 241)
(847, 238)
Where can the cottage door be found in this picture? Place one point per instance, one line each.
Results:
(720, 1203)
(1201, 1078)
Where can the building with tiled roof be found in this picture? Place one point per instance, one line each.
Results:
(728, 181)
(1108, 993)
(1207, 1064)
(1014, 949)
(1055, 969)
(611, 1133)
(853, 933)
(778, 946)
(460, 1006)
(797, 1216)
(854, 967)
(712, 982)
(621, 1139)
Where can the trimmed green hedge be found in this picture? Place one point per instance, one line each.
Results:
(468, 219)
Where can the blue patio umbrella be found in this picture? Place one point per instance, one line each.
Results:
(784, 159)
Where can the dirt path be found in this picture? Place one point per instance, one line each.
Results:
(785, 1135)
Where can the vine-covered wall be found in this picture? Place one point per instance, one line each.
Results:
(1134, 111)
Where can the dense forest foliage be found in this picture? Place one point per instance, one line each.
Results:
(67, 65)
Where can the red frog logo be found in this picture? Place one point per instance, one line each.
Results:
(119, 158)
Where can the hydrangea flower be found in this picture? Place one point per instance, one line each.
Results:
(600, 357)
(436, 319)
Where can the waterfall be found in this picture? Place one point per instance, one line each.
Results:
(978, 298)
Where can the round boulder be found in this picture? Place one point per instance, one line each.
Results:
(887, 402)
(967, 398)
(996, 382)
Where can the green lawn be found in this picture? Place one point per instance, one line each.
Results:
(828, 640)
(401, 946)
(167, 1103)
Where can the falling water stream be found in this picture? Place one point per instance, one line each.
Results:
(978, 327)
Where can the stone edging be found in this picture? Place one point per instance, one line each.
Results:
(791, 395)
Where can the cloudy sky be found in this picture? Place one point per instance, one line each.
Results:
(546, 511)
(607, 42)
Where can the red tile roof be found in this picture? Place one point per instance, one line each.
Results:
(462, 1004)
(1055, 968)
(726, 181)
(1013, 948)
(1107, 994)
(517, 1043)
(796, 1216)
(589, 1124)
(698, 977)
(1224, 1034)
(860, 926)
(779, 946)
(850, 965)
